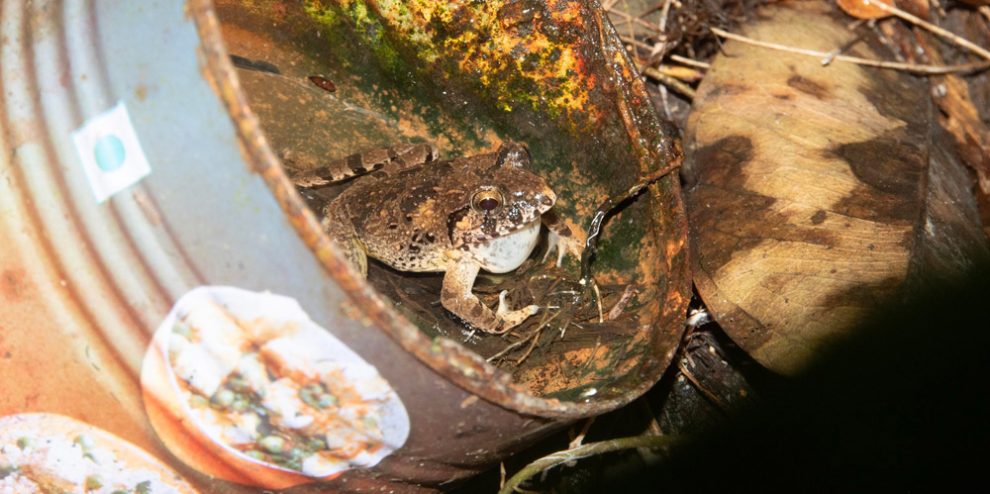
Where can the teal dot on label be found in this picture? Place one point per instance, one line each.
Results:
(109, 152)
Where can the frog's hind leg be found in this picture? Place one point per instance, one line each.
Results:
(346, 239)
(456, 296)
(397, 157)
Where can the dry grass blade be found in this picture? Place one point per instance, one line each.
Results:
(907, 67)
(691, 62)
(666, 80)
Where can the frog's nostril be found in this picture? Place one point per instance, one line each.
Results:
(546, 199)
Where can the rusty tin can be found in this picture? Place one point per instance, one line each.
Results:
(132, 173)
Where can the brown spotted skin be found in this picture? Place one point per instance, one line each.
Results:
(401, 156)
(432, 217)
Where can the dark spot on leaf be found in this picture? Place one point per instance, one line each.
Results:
(818, 218)
(724, 90)
(890, 172)
(808, 86)
(720, 162)
(902, 98)
(732, 218)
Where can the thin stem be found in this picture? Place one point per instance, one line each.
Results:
(909, 67)
(690, 61)
(668, 81)
(584, 451)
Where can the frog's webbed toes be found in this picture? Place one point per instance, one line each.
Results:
(563, 244)
(512, 318)
(457, 297)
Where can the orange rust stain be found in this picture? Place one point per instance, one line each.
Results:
(141, 92)
(567, 12)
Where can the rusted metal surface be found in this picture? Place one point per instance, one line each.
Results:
(83, 284)
(464, 367)
(618, 361)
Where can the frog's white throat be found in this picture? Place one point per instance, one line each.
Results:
(505, 253)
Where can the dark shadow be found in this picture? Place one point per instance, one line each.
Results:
(901, 405)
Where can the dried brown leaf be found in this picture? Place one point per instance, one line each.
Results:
(816, 193)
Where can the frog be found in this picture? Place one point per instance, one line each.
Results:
(415, 212)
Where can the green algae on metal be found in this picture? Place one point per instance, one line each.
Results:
(497, 48)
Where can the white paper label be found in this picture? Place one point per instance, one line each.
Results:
(110, 152)
(294, 380)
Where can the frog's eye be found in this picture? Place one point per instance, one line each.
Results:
(486, 200)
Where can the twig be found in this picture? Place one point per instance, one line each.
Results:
(591, 449)
(846, 46)
(959, 40)
(666, 80)
(664, 13)
(690, 61)
(532, 345)
(627, 19)
(595, 229)
(598, 300)
(619, 306)
(635, 42)
(522, 341)
(909, 67)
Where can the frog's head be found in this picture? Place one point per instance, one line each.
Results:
(502, 197)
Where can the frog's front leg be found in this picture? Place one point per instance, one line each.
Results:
(561, 238)
(456, 296)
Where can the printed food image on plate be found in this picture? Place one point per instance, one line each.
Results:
(44, 453)
(244, 386)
